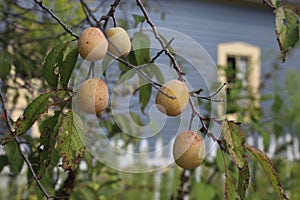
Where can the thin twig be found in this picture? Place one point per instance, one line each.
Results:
(40, 3)
(209, 98)
(161, 51)
(88, 13)
(157, 36)
(156, 56)
(154, 84)
(19, 144)
(269, 4)
(204, 128)
(110, 13)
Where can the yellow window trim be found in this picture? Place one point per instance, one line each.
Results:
(241, 49)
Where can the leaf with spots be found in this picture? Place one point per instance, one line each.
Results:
(243, 180)
(53, 61)
(49, 130)
(286, 28)
(230, 192)
(269, 169)
(32, 112)
(71, 141)
(235, 139)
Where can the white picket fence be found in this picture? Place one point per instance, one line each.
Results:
(290, 152)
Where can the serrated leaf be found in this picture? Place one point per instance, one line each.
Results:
(67, 67)
(269, 170)
(138, 19)
(287, 29)
(53, 60)
(145, 90)
(141, 47)
(49, 130)
(230, 192)
(32, 112)
(243, 181)
(15, 159)
(235, 139)
(70, 141)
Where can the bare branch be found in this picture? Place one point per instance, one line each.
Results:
(269, 4)
(88, 13)
(157, 36)
(19, 143)
(209, 98)
(40, 3)
(110, 13)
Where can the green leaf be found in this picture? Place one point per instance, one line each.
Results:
(141, 45)
(277, 104)
(145, 90)
(158, 74)
(125, 70)
(15, 159)
(269, 170)
(67, 67)
(53, 62)
(235, 139)
(71, 141)
(204, 191)
(287, 29)
(85, 193)
(243, 180)
(106, 62)
(220, 161)
(49, 130)
(32, 113)
(136, 118)
(230, 192)
(5, 69)
(138, 19)
(3, 162)
(152, 70)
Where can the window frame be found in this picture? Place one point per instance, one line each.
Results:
(239, 50)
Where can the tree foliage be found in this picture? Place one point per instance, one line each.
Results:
(38, 42)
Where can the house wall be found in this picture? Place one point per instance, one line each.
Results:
(213, 22)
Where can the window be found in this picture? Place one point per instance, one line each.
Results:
(241, 64)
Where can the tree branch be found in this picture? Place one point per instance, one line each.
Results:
(40, 3)
(19, 143)
(110, 13)
(157, 36)
(88, 13)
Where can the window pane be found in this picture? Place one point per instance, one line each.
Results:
(231, 69)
